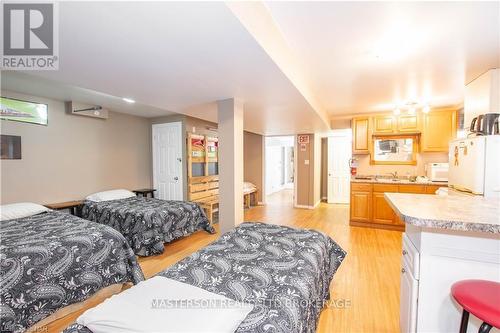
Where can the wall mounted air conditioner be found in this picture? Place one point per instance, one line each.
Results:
(87, 110)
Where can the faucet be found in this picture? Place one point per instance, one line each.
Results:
(394, 175)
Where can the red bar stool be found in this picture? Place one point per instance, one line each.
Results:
(482, 299)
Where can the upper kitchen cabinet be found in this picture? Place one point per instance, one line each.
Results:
(408, 124)
(384, 124)
(361, 135)
(438, 128)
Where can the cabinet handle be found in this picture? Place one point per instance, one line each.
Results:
(403, 270)
(404, 252)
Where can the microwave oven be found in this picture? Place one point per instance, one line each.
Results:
(437, 172)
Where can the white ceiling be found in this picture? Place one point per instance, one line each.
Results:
(367, 56)
(37, 86)
(175, 55)
(354, 57)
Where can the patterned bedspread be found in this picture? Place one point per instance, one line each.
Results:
(52, 260)
(148, 223)
(284, 272)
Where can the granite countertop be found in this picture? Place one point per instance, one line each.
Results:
(453, 212)
(399, 181)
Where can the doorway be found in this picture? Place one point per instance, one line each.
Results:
(339, 173)
(279, 168)
(167, 160)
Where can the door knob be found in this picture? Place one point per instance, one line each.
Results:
(179, 159)
(176, 178)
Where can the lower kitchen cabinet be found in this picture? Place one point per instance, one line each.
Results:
(382, 212)
(370, 209)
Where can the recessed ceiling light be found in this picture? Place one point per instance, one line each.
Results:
(128, 100)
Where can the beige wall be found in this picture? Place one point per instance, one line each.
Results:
(252, 160)
(74, 155)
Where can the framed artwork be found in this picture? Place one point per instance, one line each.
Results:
(23, 111)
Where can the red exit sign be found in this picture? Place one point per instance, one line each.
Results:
(303, 138)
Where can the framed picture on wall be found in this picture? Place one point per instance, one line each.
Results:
(10, 147)
(23, 111)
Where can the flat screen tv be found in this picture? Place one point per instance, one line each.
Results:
(24, 111)
(10, 147)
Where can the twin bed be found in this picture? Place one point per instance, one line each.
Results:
(146, 223)
(51, 259)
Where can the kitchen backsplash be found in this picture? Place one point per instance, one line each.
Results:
(365, 168)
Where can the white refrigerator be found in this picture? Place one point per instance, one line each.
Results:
(475, 165)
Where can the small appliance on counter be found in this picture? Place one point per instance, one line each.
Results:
(475, 165)
(437, 172)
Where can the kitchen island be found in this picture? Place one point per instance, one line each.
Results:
(447, 239)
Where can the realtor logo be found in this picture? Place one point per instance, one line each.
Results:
(29, 36)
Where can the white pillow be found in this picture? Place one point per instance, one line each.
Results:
(18, 210)
(110, 195)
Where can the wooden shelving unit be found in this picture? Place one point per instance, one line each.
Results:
(203, 186)
(202, 149)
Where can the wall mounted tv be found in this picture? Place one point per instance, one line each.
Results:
(10, 147)
(24, 111)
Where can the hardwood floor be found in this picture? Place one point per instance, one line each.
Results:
(364, 291)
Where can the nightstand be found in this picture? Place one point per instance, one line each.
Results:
(74, 207)
(144, 192)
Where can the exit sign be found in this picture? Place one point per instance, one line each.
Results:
(302, 139)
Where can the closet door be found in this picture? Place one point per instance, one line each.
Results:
(167, 161)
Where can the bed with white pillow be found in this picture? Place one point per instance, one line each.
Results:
(146, 223)
(52, 260)
(261, 277)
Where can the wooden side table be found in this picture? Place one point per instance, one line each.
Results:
(73, 206)
(145, 192)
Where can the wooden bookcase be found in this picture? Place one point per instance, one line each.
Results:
(202, 150)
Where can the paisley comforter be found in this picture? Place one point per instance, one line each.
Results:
(51, 260)
(148, 223)
(284, 272)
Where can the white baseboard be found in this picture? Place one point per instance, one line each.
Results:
(261, 203)
(304, 206)
(324, 198)
(316, 204)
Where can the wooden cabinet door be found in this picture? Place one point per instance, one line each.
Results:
(408, 124)
(384, 124)
(431, 189)
(360, 135)
(439, 127)
(361, 206)
(382, 212)
(418, 189)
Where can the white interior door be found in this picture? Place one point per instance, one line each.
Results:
(167, 160)
(339, 173)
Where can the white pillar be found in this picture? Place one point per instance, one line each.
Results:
(230, 130)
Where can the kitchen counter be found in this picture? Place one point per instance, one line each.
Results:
(399, 181)
(460, 213)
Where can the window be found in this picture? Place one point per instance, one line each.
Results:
(395, 149)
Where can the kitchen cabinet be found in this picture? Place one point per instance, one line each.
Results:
(418, 189)
(369, 208)
(408, 124)
(361, 135)
(382, 212)
(439, 127)
(361, 202)
(431, 261)
(384, 124)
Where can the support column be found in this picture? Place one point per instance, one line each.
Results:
(230, 130)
